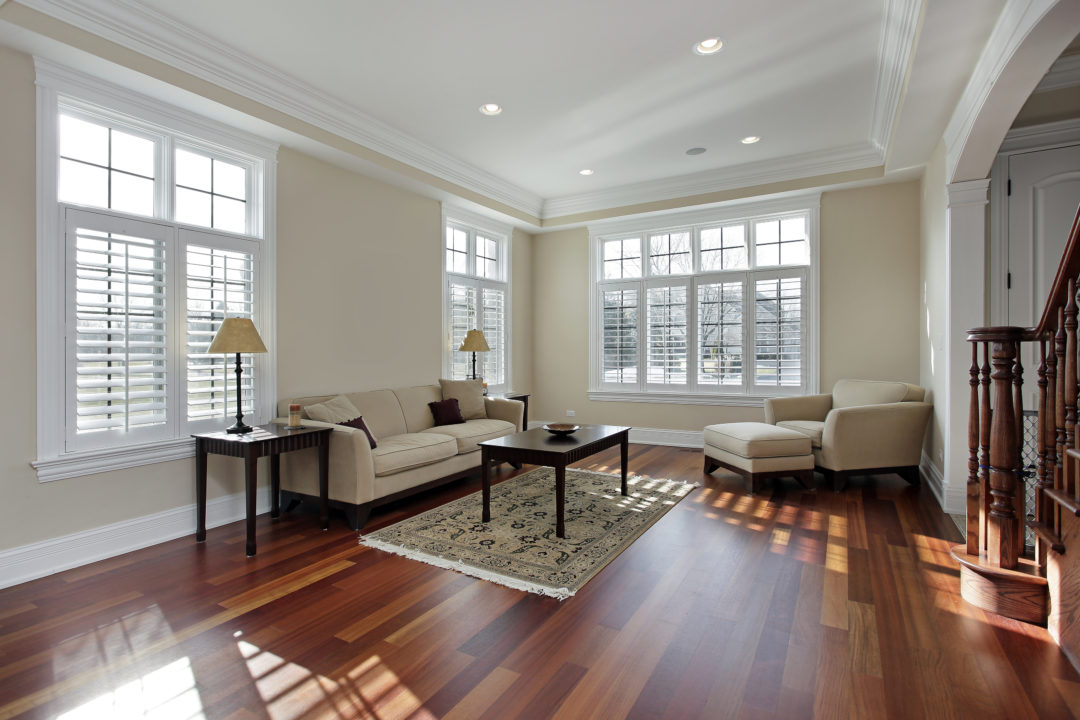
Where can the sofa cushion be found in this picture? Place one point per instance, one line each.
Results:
(810, 428)
(469, 394)
(446, 412)
(852, 393)
(414, 405)
(474, 431)
(336, 410)
(757, 440)
(359, 424)
(403, 452)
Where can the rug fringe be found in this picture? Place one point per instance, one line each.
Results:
(458, 566)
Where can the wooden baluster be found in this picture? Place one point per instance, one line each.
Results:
(1021, 477)
(1002, 547)
(984, 442)
(1059, 401)
(1041, 450)
(972, 507)
(1070, 374)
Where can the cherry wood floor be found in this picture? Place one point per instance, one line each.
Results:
(788, 604)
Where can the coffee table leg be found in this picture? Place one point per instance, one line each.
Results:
(485, 468)
(200, 490)
(560, 500)
(324, 481)
(624, 448)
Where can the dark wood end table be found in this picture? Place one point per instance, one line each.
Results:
(539, 447)
(265, 440)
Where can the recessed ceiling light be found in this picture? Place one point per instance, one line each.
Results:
(750, 139)
(490, 109)
(708, 46)
(586, 171)
(695, 151)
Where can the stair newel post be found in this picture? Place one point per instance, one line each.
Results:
(972, 504)
(1041, 450)
(984, 441)
(1070, 375)
(1001, 542)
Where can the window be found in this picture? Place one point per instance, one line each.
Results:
(476, 280)
(716, 306)
(154, 225)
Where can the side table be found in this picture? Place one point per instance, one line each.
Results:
(271, 440)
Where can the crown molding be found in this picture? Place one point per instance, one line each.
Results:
(968, 192)
(898, 34)
(161, 38)
(1064, 73)
(824, 162)
(1014, 24)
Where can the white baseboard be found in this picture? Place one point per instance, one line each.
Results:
(36, 560)
(933, 480)
(653, 436)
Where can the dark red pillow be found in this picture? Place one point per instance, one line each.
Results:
(359, 424)
(446, 412)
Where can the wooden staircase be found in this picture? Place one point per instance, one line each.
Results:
(994, 573)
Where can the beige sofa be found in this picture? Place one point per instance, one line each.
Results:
(411, 454)
(863, 427)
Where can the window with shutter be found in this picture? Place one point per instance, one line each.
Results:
(129, 294)
(476, 278)
(729, 306)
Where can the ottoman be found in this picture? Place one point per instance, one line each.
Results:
(758, 451)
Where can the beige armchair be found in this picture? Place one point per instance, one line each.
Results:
(864, 427)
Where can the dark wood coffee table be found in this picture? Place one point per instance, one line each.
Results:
(539, 447)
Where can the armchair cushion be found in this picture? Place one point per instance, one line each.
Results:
(810, 428)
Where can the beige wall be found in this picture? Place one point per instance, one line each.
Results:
(359, 306)
(1051, 106)
(933, 307)
(869, 306)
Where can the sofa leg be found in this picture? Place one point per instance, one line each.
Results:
(805, 478)
(837, 479)
(357, 515)
(911, 475)
(514, 464)
(289, 500)
(710, 465)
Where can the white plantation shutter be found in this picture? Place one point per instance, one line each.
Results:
(619, 361)
(462, 312)
(219, 283)
(117, 336)
(778, 331)
(493, 309)
(666, 328)
(720, 333)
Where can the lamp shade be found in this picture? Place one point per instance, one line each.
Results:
(474, 342)
(237, 335)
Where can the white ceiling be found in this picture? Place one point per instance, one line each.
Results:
(610, 85)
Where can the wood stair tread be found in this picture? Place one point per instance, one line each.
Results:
(1025, 571)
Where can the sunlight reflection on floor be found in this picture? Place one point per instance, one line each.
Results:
(167, 692)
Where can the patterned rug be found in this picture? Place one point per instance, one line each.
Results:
(518, 548)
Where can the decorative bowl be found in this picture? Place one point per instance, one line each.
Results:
(561, 429)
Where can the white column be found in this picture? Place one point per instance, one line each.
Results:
(965, 276)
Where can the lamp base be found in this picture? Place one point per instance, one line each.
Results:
(239, 428)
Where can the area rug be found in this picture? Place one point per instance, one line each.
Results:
(519, 548)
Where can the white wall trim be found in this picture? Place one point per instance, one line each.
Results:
(36, 560)
(933, 479)
(1065, 72)
(99, 461)
(793, 167)
(671, 438)
(898, 34)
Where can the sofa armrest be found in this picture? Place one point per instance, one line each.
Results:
(352, 468)
(803, 407)
(511, 411)
(873, 436)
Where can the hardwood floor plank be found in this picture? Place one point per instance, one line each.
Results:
(789, 604)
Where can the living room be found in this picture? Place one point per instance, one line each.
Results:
(357, 300)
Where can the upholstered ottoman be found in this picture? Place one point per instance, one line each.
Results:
(758, 451)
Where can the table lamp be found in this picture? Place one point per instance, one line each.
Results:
(474, 343)
(237, 335)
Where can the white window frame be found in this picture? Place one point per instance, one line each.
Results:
(474, 223)
(91, 97)
(692, 393)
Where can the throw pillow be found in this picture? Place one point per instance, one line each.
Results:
(359, 424)
(469, 394)
(336, 410)
(446, 412)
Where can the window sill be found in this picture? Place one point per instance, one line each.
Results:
(680, 398)
(98, 461)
